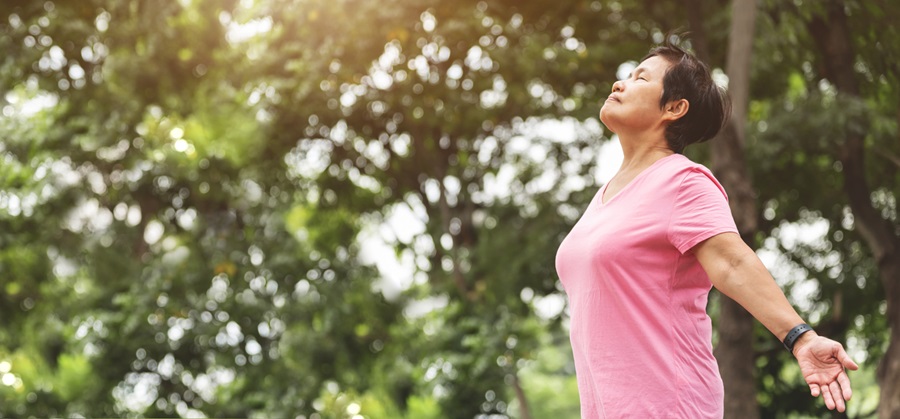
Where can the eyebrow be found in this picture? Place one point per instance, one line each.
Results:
(636, 71)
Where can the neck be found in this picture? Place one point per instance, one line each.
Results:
(642, 151)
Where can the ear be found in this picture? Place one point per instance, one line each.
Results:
(676, 109)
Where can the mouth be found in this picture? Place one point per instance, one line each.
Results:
(612, 98)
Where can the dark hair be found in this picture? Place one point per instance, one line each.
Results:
(689, 78)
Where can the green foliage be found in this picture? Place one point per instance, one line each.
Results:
(186, 189)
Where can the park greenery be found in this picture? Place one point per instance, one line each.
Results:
(351, 208)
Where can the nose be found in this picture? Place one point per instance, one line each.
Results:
(617, 86)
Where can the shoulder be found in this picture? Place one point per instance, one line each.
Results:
(692, 176)
(679, 163)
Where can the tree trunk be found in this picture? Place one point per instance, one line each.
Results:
(832, 35)
(735, 349)
(699, 40)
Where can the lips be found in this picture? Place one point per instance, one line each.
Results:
(613, 98)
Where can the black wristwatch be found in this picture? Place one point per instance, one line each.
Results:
(795, 334)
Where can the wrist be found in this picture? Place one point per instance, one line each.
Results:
(795, 334)
(803, 340)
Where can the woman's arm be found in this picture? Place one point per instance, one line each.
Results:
(737, 272)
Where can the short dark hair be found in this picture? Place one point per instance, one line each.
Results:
(689, 78)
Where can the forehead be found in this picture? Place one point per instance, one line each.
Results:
(654, 65)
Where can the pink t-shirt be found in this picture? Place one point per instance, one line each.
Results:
(637, 296)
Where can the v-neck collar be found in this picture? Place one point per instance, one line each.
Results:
(631, 182)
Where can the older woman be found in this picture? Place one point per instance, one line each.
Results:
(639, 264)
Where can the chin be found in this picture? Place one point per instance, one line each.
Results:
(607, 120)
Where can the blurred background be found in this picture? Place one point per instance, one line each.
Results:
(351, 208)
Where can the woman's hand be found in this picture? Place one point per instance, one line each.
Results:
(822, 362)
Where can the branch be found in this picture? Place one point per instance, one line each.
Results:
(893, 158)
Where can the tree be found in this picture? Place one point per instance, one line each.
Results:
(808, 132)
(183, 218)
(735, 349)
(831, 30)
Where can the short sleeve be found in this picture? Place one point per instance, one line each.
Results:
(700, 211)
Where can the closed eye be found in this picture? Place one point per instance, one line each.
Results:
(638, 76)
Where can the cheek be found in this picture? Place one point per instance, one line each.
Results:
(650, 101)
(650, 106)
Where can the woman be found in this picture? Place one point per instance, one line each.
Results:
(638, 265)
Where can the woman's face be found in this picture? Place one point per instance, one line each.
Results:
(634, 102)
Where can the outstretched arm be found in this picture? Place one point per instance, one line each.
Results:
(737, 272)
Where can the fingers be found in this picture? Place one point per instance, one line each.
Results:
(844, 381)
(836, 395)
(826, 394)
(846, 361)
